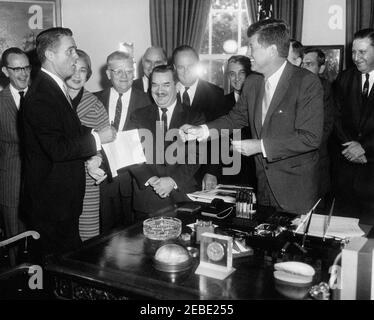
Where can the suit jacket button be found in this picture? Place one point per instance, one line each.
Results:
(266, 167)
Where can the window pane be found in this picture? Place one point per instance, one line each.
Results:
(214, 71)
(244, 26)
(225, 4)
(225, 27)
(205, 44)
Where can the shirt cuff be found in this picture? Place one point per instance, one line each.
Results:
(205, 132)
(97, 140)
(263, 148)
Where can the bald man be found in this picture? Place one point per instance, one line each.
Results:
(153, 57)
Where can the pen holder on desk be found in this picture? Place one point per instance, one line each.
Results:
(245, 204)
(201, 227)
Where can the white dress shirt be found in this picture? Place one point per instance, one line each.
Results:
(113, 98)
(16, 95)
(191, 91)
(145, 83)
(62, 85)
(371, 80)
(169, 112)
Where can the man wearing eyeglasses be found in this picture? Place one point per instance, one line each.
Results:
(120, 100)
(16, 67)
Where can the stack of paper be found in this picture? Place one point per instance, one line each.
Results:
(340, 227)
(125, 151)
(222, 191)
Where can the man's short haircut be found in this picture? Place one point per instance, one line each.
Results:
(118, 55)
(321, 57)
(164, 69)
(49, 39)
(86, 58)
(163, 52)
(297, 47)
(365, 33)
(184, 48)
(244, 61)
(272, 32)
(8, 52)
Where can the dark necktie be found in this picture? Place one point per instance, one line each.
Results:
(186, 98)
(164, 119)
(22, 98)
(117, 116)
(365, 91)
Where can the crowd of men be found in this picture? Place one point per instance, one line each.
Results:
(303, 138)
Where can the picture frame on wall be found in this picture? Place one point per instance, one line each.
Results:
(334, 60)
(22, 20)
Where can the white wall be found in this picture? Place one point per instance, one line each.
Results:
(324, 22)
(99, 26)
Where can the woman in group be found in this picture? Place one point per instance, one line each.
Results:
(91, 113)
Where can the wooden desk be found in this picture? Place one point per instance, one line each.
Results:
(119, 266)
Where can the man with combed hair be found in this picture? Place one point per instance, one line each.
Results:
(354, 98)
(16, 67)
(56, 146)
(153, 57)
(284, 108)
(120, 100)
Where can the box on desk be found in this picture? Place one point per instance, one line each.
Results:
(357, 278)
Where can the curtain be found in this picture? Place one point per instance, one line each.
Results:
(359, 15)
(252, 9)
(177, 22)
(292, 12)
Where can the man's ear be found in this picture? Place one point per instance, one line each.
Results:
(322, 69)
(5, 71)
(108, 74)
(49, 54)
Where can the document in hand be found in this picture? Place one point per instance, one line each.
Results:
(125, 151)
(339, 227)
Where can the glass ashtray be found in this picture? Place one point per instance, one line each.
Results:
(162, 228)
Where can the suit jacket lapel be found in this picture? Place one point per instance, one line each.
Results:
(11, 105)
(367, 109)
(279, 93)
(130, 109)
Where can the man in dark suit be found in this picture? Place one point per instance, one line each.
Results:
(238, 69)
(202, 96)
(16, 67)
(120, 100)
(284, 108)
(154, 56)
(314, 60)
(160, 184)
(354, 185)
(56, 146)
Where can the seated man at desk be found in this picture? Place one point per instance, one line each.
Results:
(160, 183)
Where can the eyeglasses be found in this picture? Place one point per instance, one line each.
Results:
(20, 69)
(120, 72)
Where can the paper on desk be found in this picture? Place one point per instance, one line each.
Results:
(340, 227)
(207, 196)
(126, 150)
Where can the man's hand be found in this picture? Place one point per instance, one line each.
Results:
(353, 150)
(360, 160)
(247, 147)
(94, 171)
(108, 134)
(164, 186)
(153, 180)
(209, 182)
(188, 132)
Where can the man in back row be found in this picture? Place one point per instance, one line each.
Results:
(284, 108)
(201, 96)
(153, 57)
